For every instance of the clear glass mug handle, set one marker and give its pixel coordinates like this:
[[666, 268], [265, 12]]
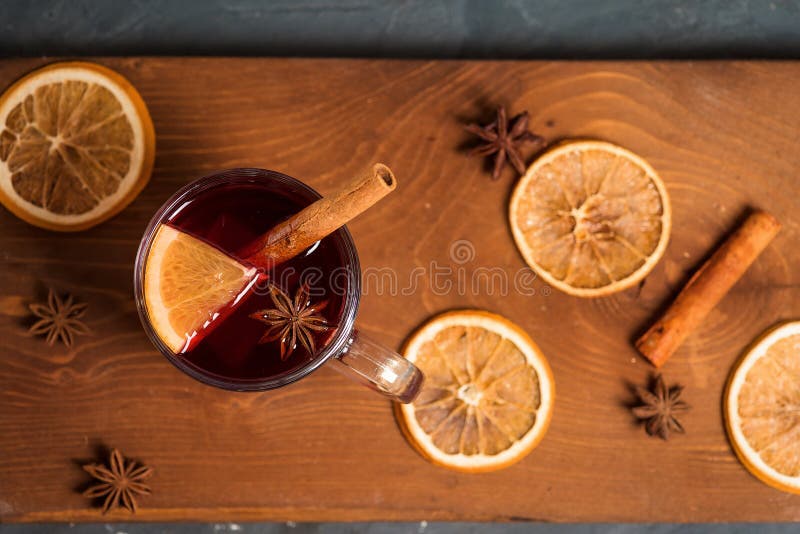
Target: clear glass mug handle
[[369, 363]]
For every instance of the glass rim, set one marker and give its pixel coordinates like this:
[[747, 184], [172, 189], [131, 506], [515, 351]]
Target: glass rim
[[340, 340]]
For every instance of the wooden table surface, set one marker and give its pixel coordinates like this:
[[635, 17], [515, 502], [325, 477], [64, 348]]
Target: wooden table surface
[[723, 136]]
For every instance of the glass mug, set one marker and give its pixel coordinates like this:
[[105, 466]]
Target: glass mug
[[230, 209]]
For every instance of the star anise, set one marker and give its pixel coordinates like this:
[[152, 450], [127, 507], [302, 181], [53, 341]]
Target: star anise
[[120, 483], [660, 407], [503, 138], [292, 321], [59, 319]]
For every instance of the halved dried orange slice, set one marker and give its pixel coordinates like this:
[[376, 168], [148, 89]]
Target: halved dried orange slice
[[186, 284], [762, 408], [76, 146], [591, 218], [488, 394]]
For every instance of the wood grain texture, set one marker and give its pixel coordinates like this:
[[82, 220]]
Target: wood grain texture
[[723, 136]]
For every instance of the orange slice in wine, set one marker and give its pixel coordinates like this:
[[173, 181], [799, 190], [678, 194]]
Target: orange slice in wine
[[186, 284]]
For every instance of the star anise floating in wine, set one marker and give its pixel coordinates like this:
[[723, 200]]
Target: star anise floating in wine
[[120, 483], [59, 319], [292, 321], [660, 408], [503, 138]]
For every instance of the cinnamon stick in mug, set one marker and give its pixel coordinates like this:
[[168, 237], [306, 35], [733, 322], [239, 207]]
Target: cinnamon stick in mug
[[707, 287], [289, 238]]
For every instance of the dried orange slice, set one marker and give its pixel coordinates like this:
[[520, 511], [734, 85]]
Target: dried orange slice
[[76, 146], [590, 218], [762, 408], [186, 283], [488, 394]]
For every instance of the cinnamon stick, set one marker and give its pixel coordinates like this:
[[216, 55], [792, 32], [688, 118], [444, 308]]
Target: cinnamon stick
[[707, 287], [323, 217]]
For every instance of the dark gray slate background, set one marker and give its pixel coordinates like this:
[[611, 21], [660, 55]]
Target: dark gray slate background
[[428, 29], [383, 28]]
